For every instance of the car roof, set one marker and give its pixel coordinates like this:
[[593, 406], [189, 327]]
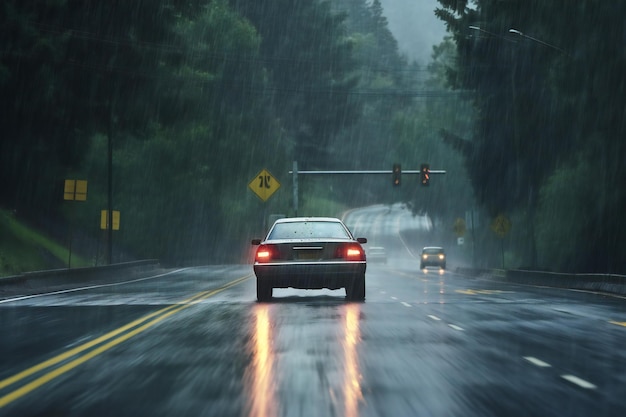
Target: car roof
[[309, 223], [308, 219], [432, 248]]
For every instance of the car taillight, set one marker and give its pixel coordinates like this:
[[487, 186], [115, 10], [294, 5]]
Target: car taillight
[[264, 253], [350, 252]]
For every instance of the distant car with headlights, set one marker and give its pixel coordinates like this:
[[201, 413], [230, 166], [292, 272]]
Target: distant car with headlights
[[433, 256], [376, 254], [310, 253]]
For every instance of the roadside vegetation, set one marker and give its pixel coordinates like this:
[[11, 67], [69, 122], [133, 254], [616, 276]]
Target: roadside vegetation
[[195, 98], [24, 249]]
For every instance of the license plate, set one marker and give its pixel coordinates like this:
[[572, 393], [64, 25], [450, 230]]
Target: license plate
[[308, 255]]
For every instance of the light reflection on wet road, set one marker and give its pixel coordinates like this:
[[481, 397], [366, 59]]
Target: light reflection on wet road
[[305, 368], [424, 343], [260, 383]]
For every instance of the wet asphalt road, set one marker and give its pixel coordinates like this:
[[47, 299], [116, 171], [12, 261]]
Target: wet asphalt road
[[195, 342], [420, 345]]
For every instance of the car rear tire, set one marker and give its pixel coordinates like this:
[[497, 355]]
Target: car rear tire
[[263, 291], [355, 291]]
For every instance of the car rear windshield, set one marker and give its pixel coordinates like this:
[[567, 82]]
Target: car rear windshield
[[308, 230]]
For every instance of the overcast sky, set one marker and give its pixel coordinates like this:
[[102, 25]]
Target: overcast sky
[[415, 26]]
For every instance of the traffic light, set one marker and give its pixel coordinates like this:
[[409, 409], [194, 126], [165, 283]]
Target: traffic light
[[396, 174], [425, 174]]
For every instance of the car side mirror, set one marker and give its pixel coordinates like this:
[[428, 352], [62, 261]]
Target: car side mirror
[[361, 239], [256, 242]]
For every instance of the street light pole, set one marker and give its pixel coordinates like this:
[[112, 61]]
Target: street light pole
[[523, 35], [495, 35], [109, 231]]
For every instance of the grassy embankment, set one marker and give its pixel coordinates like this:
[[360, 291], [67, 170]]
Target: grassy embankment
[[24, 249]]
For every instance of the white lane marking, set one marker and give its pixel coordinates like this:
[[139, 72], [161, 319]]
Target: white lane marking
[[455, 327], [434, 317], [537, 362], [394, 298], [406, 304], [578, 381]]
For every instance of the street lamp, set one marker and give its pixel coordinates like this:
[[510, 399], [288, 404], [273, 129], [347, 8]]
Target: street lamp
[[477, 28], [523, 35], [495, 35]]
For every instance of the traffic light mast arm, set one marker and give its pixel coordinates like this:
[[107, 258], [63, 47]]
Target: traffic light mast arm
[[295, 172], [386, 172]]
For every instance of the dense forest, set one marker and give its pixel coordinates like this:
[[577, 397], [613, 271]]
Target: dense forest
[[170, 108], [548, 143]]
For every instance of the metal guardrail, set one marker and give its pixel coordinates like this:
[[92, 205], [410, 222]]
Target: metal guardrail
[[604, 283], [80, 275]]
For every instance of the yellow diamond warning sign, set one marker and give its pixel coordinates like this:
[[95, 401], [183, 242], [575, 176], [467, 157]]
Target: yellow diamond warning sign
[[264, 185], [501, 226]]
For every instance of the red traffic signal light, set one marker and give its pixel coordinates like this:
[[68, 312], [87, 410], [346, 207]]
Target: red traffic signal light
[[425, 174], [396, 174]]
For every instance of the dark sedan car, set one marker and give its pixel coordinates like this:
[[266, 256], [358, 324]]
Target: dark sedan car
[[310, 253]]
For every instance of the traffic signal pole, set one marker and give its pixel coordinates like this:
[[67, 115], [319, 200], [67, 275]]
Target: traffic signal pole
[[394, 171], [295, 187]]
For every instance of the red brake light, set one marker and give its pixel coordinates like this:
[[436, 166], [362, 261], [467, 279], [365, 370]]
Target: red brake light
[[264, 254], [351, 252]]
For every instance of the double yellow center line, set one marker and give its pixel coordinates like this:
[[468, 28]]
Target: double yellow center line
[[96, 347]]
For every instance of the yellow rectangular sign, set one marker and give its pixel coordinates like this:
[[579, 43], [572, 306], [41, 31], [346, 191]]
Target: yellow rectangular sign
[[68, 190], [104, 219], [81, 190], [75, 190]]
